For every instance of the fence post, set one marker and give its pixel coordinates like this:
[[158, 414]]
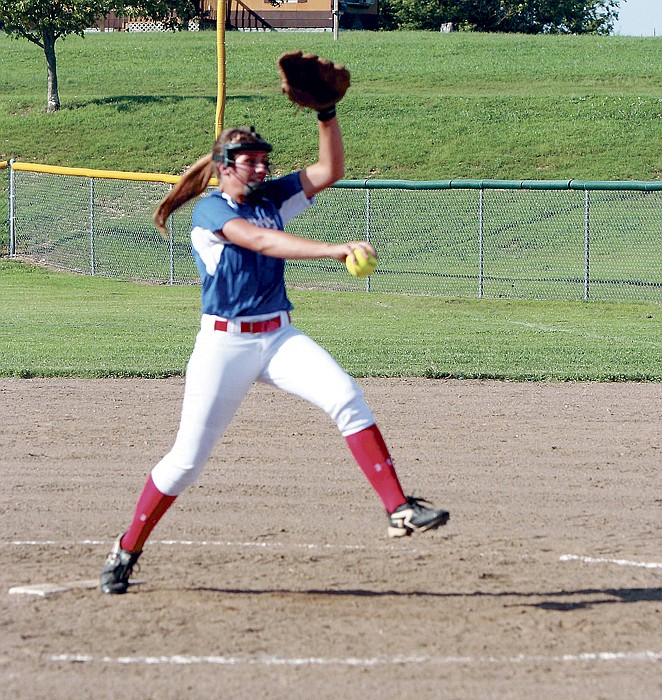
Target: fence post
[[481, 240], [587, 245], [12, 211], [171, 244], [367, 231], [93, 261]]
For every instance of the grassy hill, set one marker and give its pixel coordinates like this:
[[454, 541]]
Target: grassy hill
[[423, 106]]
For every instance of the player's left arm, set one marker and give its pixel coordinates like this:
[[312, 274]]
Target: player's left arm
[[330, 165]]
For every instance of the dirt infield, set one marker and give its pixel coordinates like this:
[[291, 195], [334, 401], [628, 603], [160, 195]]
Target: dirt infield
[[272, 577]]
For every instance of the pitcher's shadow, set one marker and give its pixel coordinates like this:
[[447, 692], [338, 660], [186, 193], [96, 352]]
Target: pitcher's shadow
[[616, 595]]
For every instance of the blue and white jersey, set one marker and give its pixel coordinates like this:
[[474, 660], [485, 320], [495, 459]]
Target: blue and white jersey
[[237, 281]]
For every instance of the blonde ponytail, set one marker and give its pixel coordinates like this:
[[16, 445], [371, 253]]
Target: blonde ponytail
[[193, 182]]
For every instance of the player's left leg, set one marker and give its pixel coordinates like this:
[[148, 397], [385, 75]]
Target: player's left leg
[[298, 365]]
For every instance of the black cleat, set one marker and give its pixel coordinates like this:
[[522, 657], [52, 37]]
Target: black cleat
[[412, 516], [118, 568]]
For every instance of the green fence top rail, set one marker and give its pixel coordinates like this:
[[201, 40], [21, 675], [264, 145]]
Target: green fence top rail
[[637, 185]]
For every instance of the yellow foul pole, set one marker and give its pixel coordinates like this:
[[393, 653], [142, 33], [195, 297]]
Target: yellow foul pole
[[220, 53]]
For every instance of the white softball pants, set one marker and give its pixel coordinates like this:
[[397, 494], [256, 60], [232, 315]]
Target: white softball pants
[[221, 370]]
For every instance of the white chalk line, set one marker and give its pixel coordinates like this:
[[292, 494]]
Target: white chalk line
[[618, 562], [305, 545], [309, 546], [180, 660], [199, 543]]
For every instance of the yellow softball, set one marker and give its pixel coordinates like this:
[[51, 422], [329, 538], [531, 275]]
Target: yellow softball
[[365, 264]]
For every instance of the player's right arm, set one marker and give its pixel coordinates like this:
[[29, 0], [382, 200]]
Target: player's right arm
[[281, 244]]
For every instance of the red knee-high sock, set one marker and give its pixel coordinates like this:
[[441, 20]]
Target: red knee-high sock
[[151, 507], [372, 455]]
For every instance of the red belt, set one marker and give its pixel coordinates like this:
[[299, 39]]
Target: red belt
[[271, 324]]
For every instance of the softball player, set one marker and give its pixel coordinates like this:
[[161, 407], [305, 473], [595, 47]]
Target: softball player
[[240, 248]]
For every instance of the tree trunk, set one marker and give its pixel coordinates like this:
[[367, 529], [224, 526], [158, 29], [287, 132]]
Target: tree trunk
[[53, 99]]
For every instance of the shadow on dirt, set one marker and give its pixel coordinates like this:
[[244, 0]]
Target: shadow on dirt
[[598, 596]]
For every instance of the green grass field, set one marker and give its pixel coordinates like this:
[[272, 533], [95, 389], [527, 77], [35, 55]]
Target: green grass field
[[60, 324], [423, 106]]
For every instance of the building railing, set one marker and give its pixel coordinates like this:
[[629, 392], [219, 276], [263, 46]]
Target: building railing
[[508, 239], [240, 16]]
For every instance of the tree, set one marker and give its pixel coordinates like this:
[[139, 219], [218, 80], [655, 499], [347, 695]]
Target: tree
[[43, 22], [417, 14], [524, 16], [542, 16]]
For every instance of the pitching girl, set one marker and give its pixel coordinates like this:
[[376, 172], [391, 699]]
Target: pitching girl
[[246, 335]]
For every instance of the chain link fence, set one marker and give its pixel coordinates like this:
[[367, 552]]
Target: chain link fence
[[565, 240]]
